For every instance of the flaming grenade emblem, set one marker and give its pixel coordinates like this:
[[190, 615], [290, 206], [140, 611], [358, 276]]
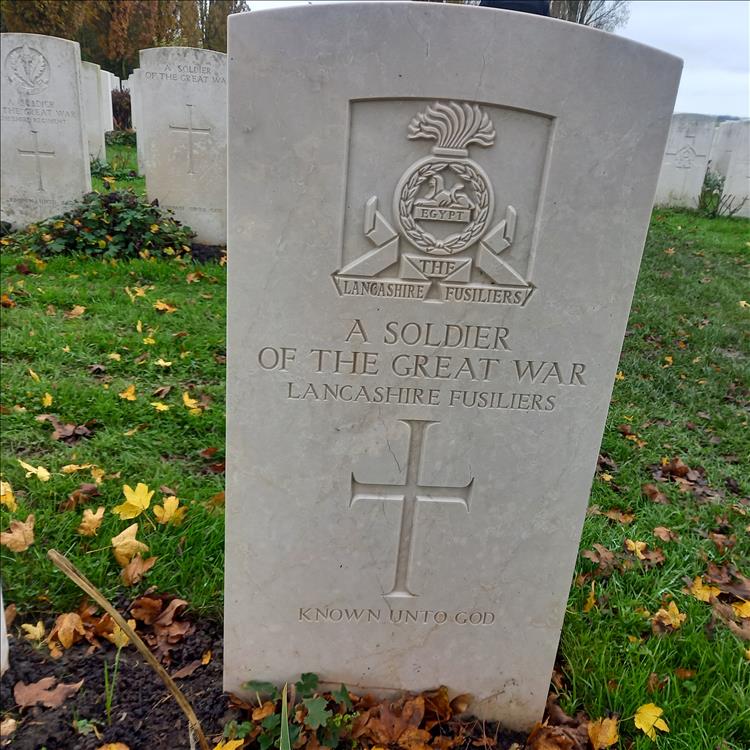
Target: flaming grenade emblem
[[446, 186]]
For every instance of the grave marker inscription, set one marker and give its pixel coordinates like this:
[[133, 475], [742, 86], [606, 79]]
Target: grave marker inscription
[[181, 118], [685, 160], [45, 162], [424, 328]]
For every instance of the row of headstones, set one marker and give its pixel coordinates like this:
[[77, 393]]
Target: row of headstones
[[97, 86], [56, 110], [701, 143]]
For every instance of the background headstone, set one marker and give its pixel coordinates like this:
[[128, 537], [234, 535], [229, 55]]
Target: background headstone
[[737, 182], [45, 162], [725, 139], [93, 109], [685, 160], [182, 99], [431, 267], [135, 116], [105, 91]]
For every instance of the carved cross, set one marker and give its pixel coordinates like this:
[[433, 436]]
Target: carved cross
[[190, 130], [409, 494], [37, 154]]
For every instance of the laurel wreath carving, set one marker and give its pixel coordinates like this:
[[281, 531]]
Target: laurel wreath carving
[[454, 243]]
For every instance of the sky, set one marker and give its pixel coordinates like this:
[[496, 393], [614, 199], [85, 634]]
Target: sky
[[711, 36]]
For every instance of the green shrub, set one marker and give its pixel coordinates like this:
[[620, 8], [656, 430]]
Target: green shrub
[[117, 224], [120, 138], [117, 168]]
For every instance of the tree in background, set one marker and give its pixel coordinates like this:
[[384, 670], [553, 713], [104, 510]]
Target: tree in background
[[203, 23], [63, 18], [111, 33], [607, 15]]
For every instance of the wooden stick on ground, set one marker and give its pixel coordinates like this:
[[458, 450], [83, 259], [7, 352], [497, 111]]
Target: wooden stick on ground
[[62, 562]]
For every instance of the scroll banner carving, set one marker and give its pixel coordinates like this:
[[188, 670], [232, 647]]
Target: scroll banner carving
[[443, 205]]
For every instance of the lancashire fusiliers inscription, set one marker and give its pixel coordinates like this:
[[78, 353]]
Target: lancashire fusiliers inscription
[[426, 202]]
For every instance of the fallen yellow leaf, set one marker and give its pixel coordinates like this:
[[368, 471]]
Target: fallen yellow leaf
[[230, 745], [125, 546], [136, 501], [603, 733], [47, 399], [97, 474], [647, 719], [159, 406], [7, 498], [668, 619], [590, 600], [637, 548], [115, 355], [162, 363], [191, 403], [34, 376], [39, 472], [149, 340], [118, 637], [21, 535], [163, 306], [170, 512], [742, 609], [702, 592], [620, 375], [72, 468], [129, 393], [91, 521], [34, 632]]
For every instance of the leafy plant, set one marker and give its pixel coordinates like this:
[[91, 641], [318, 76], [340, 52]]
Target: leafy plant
[[117, 224], [117, 168], [125, 137], [713, 201], [327, 716]]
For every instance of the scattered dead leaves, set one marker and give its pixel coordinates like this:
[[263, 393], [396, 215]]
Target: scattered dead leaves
[[45, 692], [68, 433], [134, 571], [20, 536]]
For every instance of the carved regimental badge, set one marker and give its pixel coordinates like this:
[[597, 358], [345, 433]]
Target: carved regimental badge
[[27, 69], [447, 242]]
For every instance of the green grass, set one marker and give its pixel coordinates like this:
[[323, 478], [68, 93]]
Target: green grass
[[122, 157], [687, 307]]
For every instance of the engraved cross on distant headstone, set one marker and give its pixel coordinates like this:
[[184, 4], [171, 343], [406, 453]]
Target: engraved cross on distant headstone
[[409, 494], [190, 129], [37, 154]]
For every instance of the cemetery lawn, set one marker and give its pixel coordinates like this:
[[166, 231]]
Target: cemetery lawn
[[121, 159], [681, 393]]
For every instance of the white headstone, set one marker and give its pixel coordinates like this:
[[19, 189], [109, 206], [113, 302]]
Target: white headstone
[[182, 95], [93, 109], [737, 182], [45, 162], [426, 203], [105, 91], [685, 160]]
